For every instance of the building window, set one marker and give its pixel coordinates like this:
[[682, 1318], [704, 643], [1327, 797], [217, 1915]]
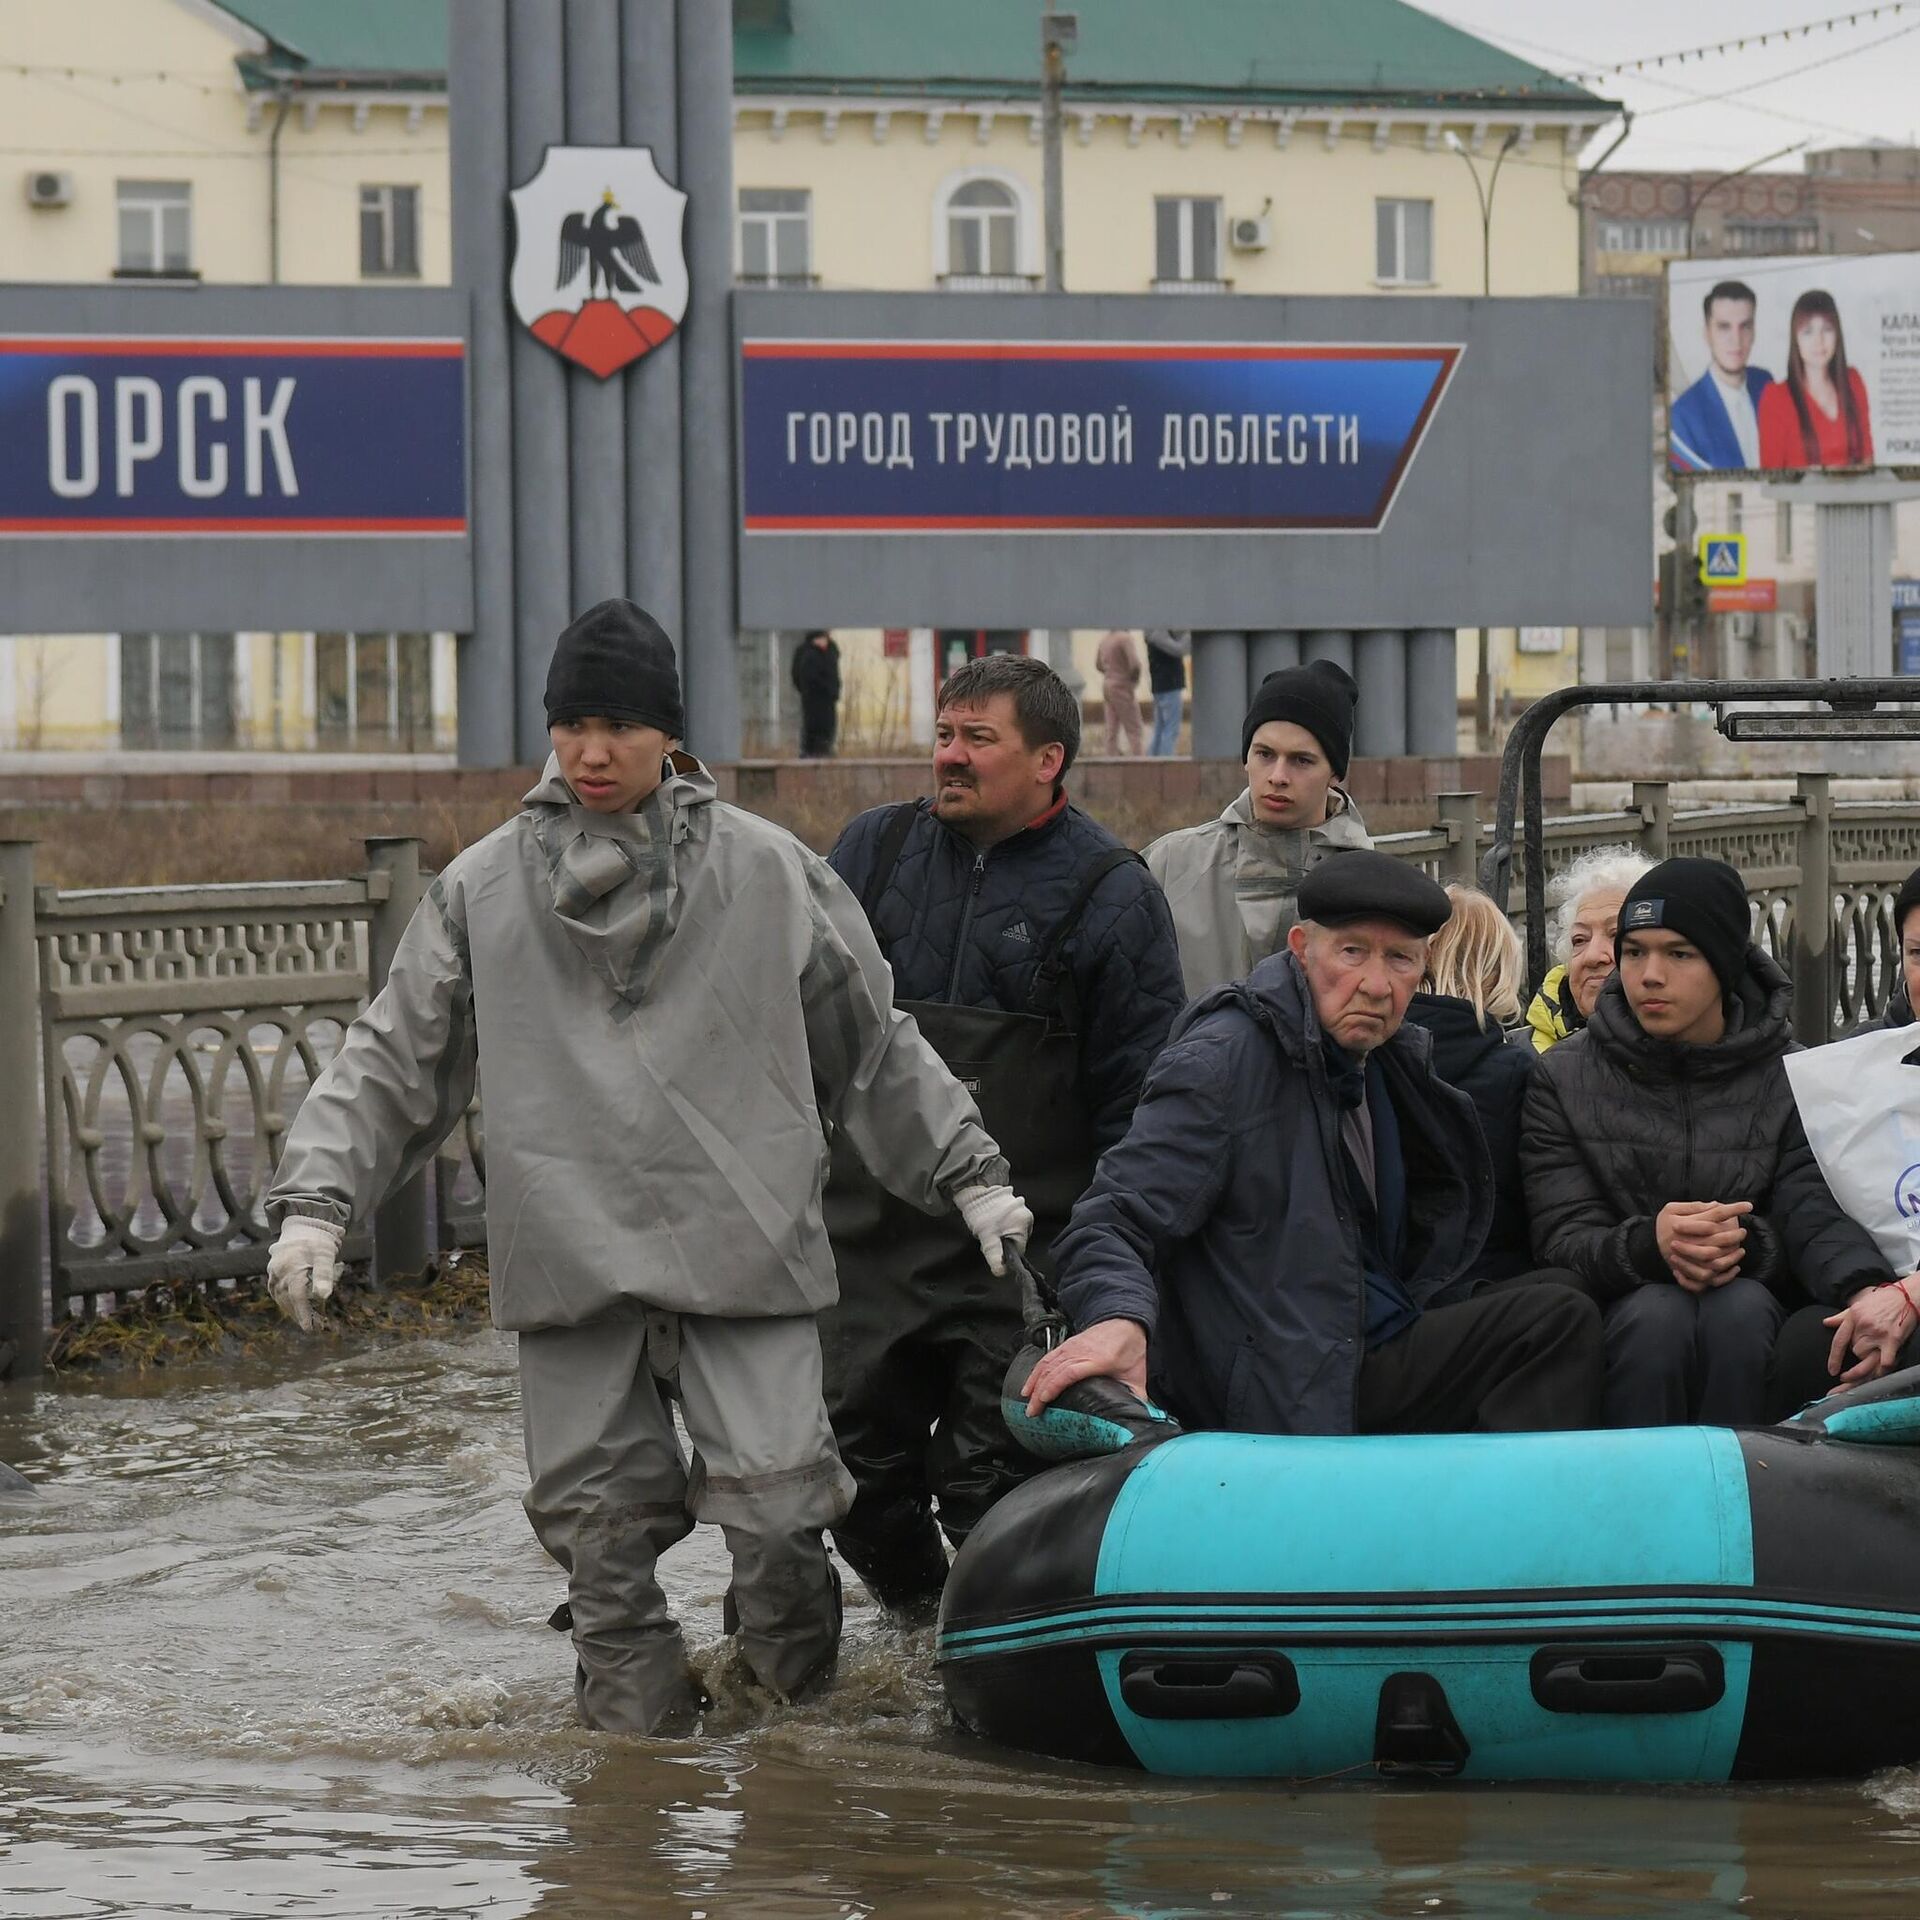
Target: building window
[[1643, 236], [1736, 512], [373, 690], [776, 236], [156, 227], [1403, 242], [1750, 237], [1783, 531], [983, 230], [1186, 241], [176, 690], [389, 233]]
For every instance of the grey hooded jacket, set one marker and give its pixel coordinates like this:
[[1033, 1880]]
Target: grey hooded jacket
[[1233, 885], [666, 1005]]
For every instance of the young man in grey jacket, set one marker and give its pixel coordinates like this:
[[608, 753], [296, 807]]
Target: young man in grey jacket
[[665, 997]]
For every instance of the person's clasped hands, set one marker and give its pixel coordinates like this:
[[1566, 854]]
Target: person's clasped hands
[[1703, 1242], [1873, 1327]]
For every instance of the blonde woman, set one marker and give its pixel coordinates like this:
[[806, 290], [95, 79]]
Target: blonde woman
[[1470, 997]]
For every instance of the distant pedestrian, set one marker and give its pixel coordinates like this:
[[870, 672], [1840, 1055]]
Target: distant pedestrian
[[816, 674], [1167, 651], [1119, 662]]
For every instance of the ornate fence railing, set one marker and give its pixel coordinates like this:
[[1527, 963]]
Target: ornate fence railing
[[172, 1031]]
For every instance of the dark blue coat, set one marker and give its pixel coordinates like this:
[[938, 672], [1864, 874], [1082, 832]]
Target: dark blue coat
[[966, 928], [1222, 1223]]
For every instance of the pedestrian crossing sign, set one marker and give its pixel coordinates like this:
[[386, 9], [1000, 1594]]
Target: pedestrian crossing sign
[[1723, 559]]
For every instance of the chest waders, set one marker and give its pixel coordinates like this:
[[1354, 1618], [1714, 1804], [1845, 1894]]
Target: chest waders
[[917, 1347]]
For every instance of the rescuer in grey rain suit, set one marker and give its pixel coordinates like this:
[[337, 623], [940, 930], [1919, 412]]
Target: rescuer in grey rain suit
[[666, 997]]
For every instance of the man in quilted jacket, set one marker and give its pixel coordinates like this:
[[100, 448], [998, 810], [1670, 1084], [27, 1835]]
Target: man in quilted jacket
[[1666, 1164], [1038, 957]]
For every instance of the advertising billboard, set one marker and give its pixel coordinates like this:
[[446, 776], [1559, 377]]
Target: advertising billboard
[[1784, 364]]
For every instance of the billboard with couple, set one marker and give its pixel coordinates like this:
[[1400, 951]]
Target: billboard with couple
[[1789, 363]]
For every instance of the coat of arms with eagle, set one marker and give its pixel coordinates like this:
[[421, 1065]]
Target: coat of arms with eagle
[[599, 271]]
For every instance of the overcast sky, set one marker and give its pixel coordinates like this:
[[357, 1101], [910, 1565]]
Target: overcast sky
[[1787, 93]]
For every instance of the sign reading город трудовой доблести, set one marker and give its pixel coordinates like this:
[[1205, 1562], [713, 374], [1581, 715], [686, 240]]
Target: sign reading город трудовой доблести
[[1045, 436], [1269, 462]]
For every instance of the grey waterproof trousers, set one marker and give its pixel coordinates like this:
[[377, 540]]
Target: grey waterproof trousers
[[610, 1493]]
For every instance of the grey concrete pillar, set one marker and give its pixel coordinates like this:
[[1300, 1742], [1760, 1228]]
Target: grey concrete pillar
[[596, 409], [1380, 719], [1329, 643], [1269, 651], [402, 1232], [1219, 694], [710, 644], [1433, 726], [542, 545], [23, 1319], [477, 92], [1853, 593], [650, 117]]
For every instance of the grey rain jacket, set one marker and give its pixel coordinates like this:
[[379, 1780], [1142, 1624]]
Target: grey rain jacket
[[1233, 886], [666, 1004], [1223, 1223], [1617, 1123]]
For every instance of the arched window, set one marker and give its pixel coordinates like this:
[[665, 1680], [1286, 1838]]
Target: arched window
[[983, 229]]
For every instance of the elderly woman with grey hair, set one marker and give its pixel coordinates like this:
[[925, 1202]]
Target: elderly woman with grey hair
[[1586, 900]]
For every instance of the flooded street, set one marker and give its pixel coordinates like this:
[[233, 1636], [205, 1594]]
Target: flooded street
[[274, 1642]]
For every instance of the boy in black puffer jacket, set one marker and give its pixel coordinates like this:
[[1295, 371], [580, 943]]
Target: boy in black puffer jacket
[[1665, 1161]]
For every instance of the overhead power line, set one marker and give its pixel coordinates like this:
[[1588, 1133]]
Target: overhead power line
[[1742, 43]]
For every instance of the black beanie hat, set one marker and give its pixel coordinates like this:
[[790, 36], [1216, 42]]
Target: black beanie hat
[[616, 663], [1705, 901], [1904, 903], [1319, 696]]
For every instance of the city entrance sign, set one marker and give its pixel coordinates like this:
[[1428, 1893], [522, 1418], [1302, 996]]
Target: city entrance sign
[[884, 436]]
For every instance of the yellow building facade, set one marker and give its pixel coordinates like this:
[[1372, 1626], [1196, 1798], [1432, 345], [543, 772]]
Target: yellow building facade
[[139, 152]]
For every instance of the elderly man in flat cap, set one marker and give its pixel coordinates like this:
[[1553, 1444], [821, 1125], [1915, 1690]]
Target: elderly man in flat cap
[[666, 999], [1287, 1240]]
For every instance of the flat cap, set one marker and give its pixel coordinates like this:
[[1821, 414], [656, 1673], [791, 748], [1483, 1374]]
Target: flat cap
[[1361, 884]]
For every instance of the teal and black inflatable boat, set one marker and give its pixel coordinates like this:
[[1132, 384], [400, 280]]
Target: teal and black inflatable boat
[[1687, 1603]]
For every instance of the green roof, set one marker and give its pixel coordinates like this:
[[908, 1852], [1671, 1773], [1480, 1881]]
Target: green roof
[[371, 43], [1256, 52]]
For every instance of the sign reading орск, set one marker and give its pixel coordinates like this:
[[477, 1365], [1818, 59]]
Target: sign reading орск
[[173, 435], [216, 459]]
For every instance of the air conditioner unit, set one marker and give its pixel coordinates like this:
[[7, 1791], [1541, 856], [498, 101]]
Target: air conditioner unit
[[1250, 233], [48, 189]]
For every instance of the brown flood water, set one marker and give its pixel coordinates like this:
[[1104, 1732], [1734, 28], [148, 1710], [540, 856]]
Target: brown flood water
[[273, 1642]]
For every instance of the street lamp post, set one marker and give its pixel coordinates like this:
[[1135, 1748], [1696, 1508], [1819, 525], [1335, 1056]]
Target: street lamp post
[[1714, 185], [1058, 34], [1482, 640], [1485, 194]]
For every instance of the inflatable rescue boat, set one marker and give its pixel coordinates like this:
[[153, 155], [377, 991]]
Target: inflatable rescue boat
[[1686, 1603]]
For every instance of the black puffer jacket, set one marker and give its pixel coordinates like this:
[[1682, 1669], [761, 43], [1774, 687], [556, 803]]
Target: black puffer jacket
[[1619, 1123], [966, 928], [1493, 1073]]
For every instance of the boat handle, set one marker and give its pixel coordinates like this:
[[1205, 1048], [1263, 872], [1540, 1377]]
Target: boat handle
[[1206, 1686], [1628, 1679]]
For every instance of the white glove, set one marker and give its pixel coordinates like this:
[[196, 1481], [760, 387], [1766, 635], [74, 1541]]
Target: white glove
[[994, 1214], [302, 1267]]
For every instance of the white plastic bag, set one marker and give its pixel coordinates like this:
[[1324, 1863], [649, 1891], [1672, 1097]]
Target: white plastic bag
[[1859, 1101]]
